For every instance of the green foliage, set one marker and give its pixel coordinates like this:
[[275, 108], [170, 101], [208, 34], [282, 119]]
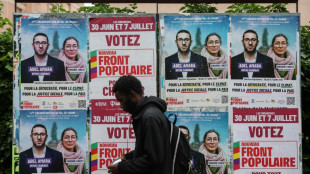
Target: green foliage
[[235, 8], [6, 122], [245, 8], [256, 8], [277, 8], [98, 8], [59, 9], [106, 8], [305, 91], [198, 8]]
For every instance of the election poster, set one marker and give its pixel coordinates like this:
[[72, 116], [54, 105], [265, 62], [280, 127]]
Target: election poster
[[119, 45], [265, 57], [194, 55], [63, 132], [53, 64], [265, 92], [16, 66], [112, 134], [266, 141], [208, 136], [16, 86], [122, 46]]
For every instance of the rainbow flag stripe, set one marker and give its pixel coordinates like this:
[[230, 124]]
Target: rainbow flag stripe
[[94, 157], [236, 155], [93, 64]]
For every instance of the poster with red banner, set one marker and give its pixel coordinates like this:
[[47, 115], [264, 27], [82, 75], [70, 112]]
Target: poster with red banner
[[266, 140], [265, 94], [119, 45]]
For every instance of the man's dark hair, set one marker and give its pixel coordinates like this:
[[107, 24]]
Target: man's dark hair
[[213, 34], [279, 35], [210, 131], [183, 31], [184, 127], [250, 31], [127, 83], [38, 125], [40, 34], [68, 129]]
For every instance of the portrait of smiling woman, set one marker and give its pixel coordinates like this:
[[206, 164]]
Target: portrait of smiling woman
[[71, 150], [213, 152], [281, 56], [216, 57], [75, 69]]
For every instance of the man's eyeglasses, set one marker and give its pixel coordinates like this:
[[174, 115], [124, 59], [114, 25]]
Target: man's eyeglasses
[[248, 40], [183, 40], [37, 135], [41, 43]]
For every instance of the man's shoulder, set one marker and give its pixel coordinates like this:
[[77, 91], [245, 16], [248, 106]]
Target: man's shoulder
[[152, 112], [197, 56], [171, 57], [53, 59], [262, 56], [28, 60], [26, 152], [50, 150], [238, 56], [56, 63]]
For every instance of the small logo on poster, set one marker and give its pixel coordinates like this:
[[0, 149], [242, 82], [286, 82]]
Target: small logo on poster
[[114, 103], [174, 101], [238, 101]]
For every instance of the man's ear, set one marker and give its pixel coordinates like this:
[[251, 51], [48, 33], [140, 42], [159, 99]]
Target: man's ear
[[134, 96], [132, 93]]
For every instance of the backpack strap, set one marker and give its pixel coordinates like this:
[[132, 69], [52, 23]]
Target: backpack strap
[[174, 140]]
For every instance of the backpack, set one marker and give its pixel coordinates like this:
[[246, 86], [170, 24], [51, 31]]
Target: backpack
[[180, 150]]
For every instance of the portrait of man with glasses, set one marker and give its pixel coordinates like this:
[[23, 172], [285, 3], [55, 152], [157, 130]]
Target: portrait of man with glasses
[[41, 66], [185, 63], [251, 63], [40, 158]]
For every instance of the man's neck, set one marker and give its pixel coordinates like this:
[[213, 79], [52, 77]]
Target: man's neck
[[250, 56], [40, 59], [38, 150], [183, 56]]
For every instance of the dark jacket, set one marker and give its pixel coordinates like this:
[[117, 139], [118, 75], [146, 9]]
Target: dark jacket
[[198, 163], [152, 151], [56, 165], [200, 71], [266, 71], [58, 73]]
